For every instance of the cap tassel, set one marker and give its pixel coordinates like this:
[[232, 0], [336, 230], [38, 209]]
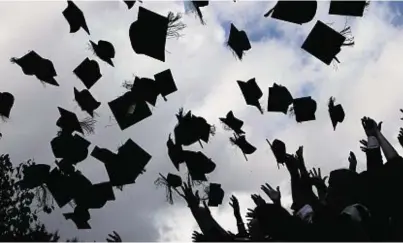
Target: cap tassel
[[174, 25], [198, 12], [212, 130], [346, 32], [225, 126], [162, 182], [88, 125], [270, 11]]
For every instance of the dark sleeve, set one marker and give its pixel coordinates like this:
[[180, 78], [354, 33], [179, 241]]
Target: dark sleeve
[[374, 159]]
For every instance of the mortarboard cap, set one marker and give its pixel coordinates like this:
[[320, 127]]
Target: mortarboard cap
[[233, 123], [323, 42], [215, 195], [6, 103], [104, 50], [96, 196], [297, 12], [86, 101], [33, 64], [104, 155], [145, 89], [88, 72], [279, 150], [135, 156], [148, 34], [245, 146], [34, 175], [174, 180], [59, 186], [175, 153], [75, 18], [198, 165], [336, 112], [347, 8], [128, 112], [195, 7], [68, 121], [251, 92], [238, 41], [130, 4], [202, 128], [80, 217], [279, 99], [304, 109], [165, 83]]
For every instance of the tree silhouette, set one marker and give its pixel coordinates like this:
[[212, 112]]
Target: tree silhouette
[[18, 220]]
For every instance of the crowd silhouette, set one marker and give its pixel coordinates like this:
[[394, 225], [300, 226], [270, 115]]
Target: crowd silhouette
[[349, 206]]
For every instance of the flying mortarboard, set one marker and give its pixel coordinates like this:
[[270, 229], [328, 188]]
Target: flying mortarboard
[[33, 64], [195, 7], [68, 121], [145, 89], [148, 34], [238, 41], [104, 155], [34, 175], [104, 50], [233, 123], [75, 18], [80, 217], [215, 195], [174, 180], [279, 99], [297, 12], [278, 149], [324, 43], [175, 153], [128, 112], [130, 4], [304, 109], [251, 92], [336, 112], [86, 101], [198, 165], [245, 146], [6, 103], [59, 186], [165, 83], [348, 8], [88, 72], [96, 196], [170, 182]]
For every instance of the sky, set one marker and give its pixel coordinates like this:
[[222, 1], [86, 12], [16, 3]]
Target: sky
[[367, 82]]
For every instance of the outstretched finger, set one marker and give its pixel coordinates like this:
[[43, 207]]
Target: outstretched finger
[[319, 173], [268, 186], [315, 172]]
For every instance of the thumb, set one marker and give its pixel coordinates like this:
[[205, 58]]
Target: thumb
[[278, 188], [380, 125]]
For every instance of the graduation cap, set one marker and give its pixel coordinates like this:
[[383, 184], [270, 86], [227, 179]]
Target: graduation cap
[[233, 123], [251, 92], [6, 103], [175, 152], [170, 182], [145, 89], [60, 187], [245, 146], [238, 41], [191, 129], [215, 195], [130, 4], [34, 175], [75, 18], [165, 83], [128, 112], [104, 50], [33, 64], [104, 155], [304, 109], [80, 217], [96, 196], [198, 165], [88, 72], [324, 43], [336, 112], [149, 33], [68, 121], [86, 101], [195, 7], [297, 12], [279, 99], [348, 8], [279, 150]]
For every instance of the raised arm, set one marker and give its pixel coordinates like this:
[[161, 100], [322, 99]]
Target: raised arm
[[371, 147], [239, 222]]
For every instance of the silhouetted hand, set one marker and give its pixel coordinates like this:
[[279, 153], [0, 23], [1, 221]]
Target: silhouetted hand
[[258, 200], [115, 237], [192, 199], [197, 237], [274, 195], [400, 137], [250, 214], [316, 177], [353, 162], [370, 126], [364, 145], [234, 204]]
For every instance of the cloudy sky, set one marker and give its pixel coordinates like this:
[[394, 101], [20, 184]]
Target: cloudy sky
[[367, 82]]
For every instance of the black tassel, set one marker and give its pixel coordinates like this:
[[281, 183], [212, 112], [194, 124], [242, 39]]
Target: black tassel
[[88, 125], [175, 25]]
